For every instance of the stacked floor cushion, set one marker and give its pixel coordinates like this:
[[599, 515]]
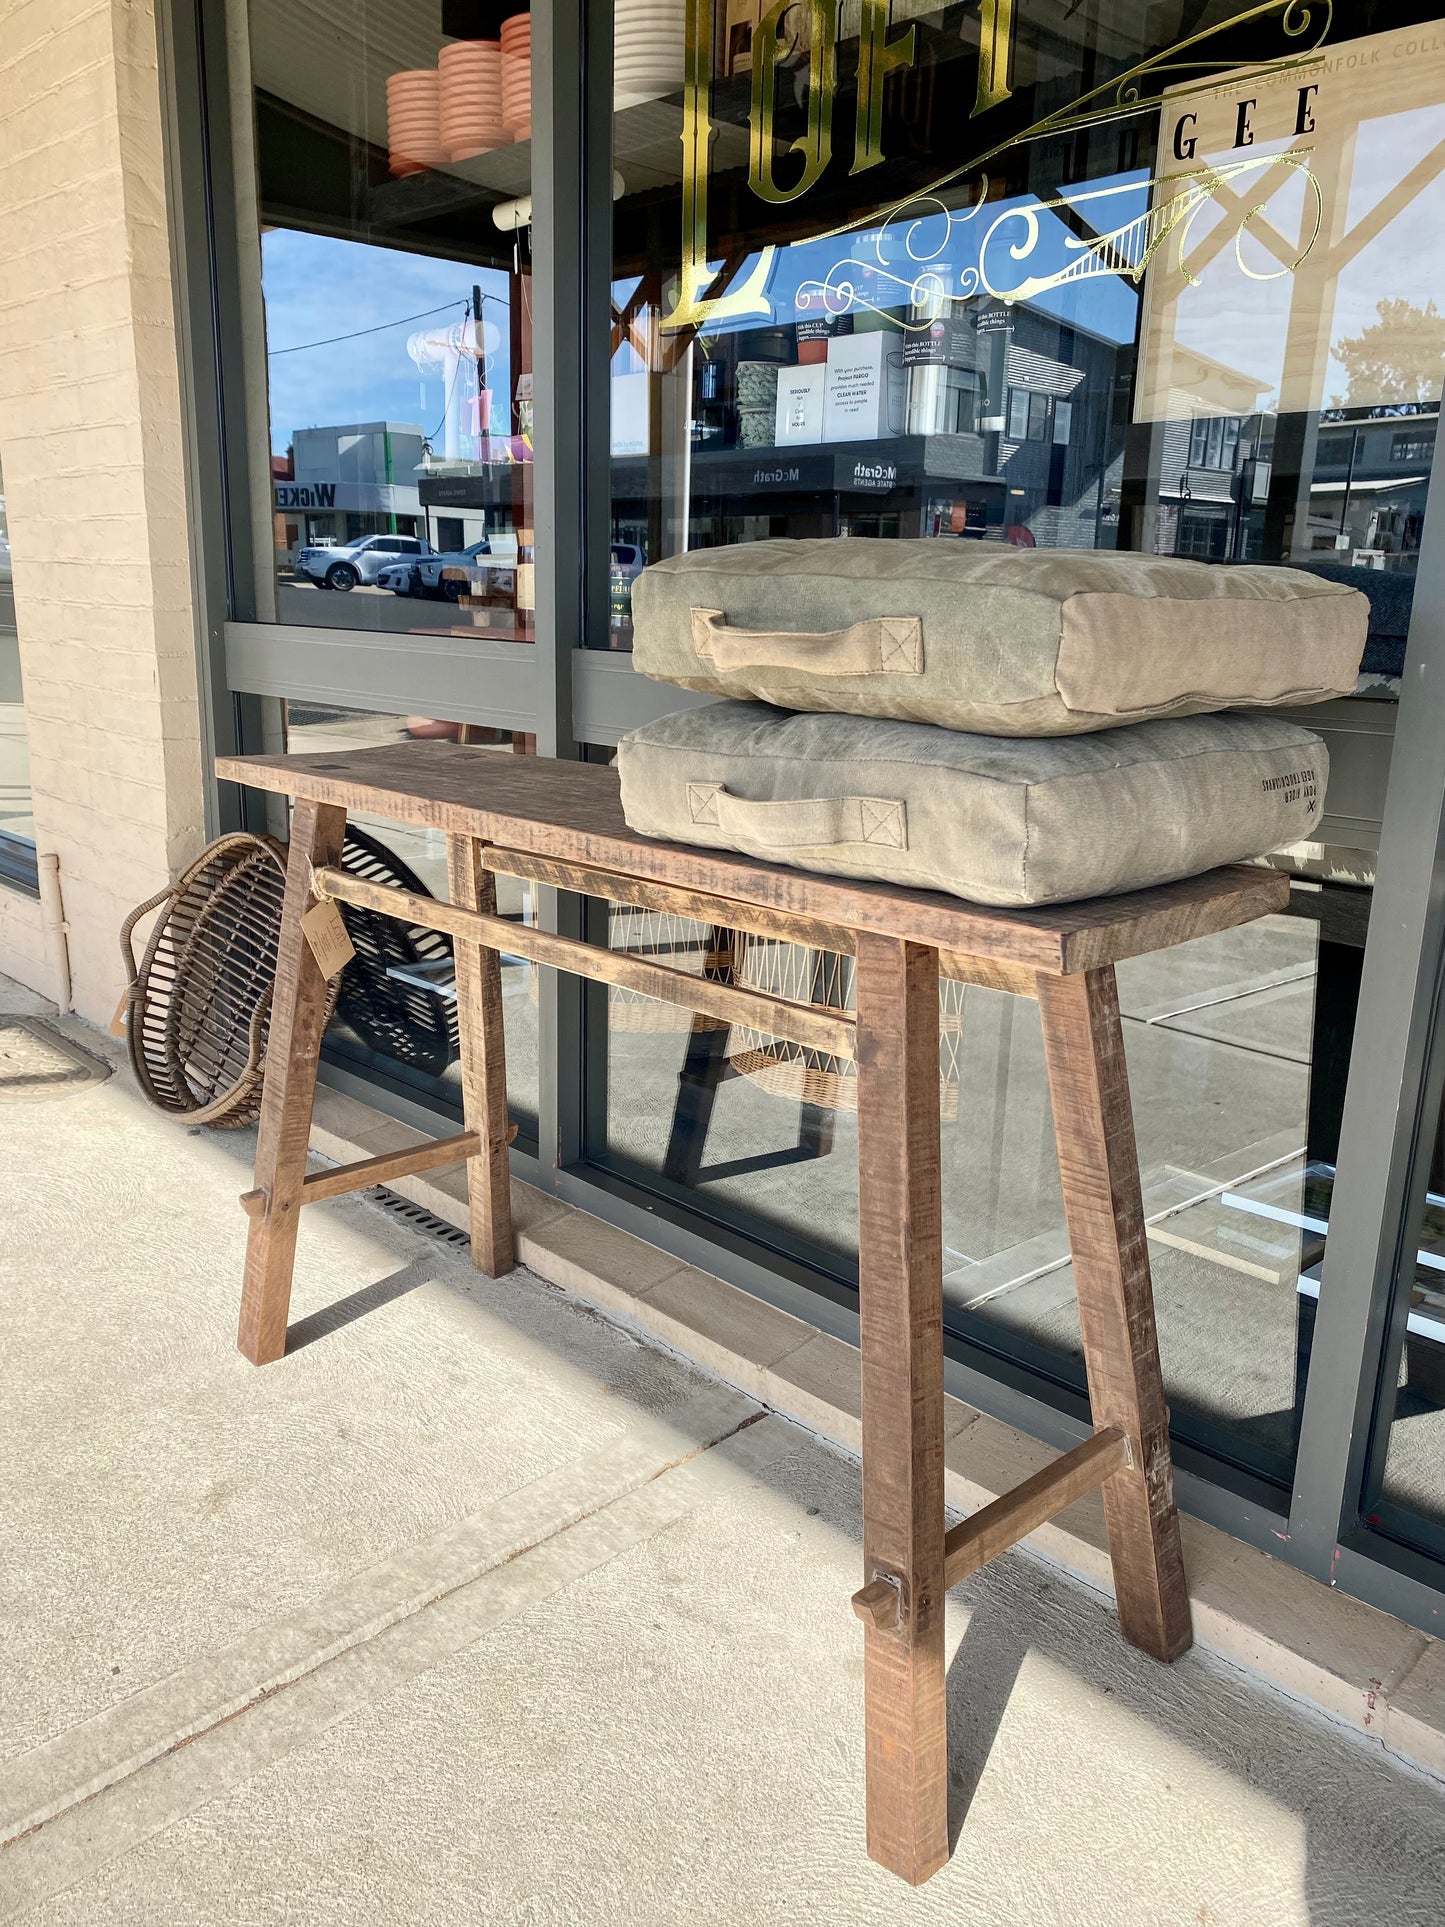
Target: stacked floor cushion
[[1006, 641], [996, 820], [1013, 726]]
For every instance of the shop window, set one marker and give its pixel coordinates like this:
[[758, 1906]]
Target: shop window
[[1212, 444], [1026, 321], [391, 331], [1203, 536], [17, 823]]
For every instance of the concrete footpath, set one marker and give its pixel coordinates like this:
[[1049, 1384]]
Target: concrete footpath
[[477, 1609]]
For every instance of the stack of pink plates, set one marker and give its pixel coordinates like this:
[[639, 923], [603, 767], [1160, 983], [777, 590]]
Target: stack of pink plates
[[413, 120], [471, 98], [517, 76]]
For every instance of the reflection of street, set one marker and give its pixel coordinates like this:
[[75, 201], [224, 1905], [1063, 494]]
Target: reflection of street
[[381, 610]]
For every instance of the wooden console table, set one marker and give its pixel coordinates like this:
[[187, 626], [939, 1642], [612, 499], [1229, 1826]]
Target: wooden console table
[[561, 824]]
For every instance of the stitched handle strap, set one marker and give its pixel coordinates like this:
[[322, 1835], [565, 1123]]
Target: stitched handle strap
[[881, 646], [815, 823]]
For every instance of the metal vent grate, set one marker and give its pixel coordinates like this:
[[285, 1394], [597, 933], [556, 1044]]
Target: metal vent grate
[[417, 1217]]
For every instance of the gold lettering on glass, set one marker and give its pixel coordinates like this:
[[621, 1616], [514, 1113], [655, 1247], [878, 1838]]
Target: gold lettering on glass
[[694, 306], [1305, 22], [772, 43], [995, 53], [877, 58]]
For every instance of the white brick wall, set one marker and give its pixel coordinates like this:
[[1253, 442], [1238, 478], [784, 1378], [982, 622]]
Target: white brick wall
[[90, 436]]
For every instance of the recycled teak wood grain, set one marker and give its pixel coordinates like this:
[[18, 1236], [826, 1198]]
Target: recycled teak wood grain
[[561, 824]]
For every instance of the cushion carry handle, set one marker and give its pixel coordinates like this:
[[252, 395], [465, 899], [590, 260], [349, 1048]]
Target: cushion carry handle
[[880, 646], [814, 823]]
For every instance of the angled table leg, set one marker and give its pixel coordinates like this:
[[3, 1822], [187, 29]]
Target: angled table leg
[[900, 1251], [1099, 1166], [293, 1050], [484, 1065]]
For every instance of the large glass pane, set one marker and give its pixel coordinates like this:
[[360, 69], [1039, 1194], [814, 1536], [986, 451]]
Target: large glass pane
[[392, 343], [396, 1018], [1162, 279], [17, 823]]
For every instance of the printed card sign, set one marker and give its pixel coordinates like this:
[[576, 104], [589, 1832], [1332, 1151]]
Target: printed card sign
[[325, 930], [800, 403]]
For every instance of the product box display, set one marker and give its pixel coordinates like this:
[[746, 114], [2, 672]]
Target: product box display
[[864, 395], [995, 821], [979, 636]]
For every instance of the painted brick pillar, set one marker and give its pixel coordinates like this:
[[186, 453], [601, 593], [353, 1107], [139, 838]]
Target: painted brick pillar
[[91, 445]]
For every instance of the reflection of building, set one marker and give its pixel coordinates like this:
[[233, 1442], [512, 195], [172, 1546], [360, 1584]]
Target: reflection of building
[[1010, 437], [346, 482], [1367, 494]]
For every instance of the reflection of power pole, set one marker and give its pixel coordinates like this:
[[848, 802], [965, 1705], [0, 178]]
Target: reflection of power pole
[[479, 343], [1349, 482]]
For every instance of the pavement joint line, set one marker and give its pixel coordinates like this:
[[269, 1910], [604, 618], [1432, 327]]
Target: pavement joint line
[[124, 1815], [173, 1712]]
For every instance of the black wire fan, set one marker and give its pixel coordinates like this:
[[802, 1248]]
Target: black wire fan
[[403, 1021]]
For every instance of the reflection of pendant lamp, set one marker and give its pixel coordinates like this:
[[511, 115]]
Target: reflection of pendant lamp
[[517, 76], [471, 98], [413, 120], [447, 349], [648, 50]]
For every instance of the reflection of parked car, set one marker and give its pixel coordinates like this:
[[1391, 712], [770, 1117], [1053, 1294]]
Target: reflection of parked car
[[629, 558], [348, 563], [446, 575]]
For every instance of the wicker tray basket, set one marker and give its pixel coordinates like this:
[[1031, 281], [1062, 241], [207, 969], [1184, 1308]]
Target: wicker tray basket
[[199, 1001]]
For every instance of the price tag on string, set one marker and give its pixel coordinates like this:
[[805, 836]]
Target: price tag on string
[[325, 930]]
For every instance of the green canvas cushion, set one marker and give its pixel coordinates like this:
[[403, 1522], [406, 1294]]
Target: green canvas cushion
[[995, 820], [979, 636]]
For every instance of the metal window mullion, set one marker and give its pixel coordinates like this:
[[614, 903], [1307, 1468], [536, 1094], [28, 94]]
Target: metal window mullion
[[1388, 1125], [571, 340], [191, 49]]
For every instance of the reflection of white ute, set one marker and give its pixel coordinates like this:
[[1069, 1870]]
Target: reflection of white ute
[[446, 575], [346, 564]]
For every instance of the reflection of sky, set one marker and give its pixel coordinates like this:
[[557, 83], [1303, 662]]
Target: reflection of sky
[[1244, 321], [1230, 316], [1406, 260], [957, 254], [316, 287]]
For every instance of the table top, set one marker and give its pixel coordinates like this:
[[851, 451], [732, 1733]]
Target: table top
[[573, 811]]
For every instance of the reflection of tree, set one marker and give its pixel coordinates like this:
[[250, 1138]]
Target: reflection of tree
[[1400, 357]]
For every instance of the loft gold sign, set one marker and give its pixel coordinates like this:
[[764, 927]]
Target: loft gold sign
[[709, 292]]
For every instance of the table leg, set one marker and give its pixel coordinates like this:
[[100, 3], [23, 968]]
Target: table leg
[[900, 1250], [484, 1065], [1099, 1166], [293, 1050]]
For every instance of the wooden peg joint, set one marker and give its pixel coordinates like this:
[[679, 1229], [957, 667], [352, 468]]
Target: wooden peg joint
[[879, 1604]]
